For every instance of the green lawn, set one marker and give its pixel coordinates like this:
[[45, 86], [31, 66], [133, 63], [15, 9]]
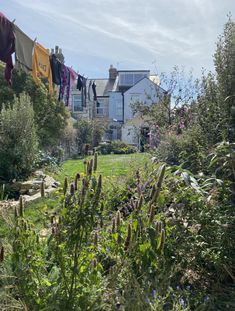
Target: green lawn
[[112, 167], [108, 165]]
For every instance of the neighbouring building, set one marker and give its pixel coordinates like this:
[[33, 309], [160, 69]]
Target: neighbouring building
[[113, 102]]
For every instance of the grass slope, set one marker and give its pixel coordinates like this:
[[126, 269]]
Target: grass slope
[[114, 165]]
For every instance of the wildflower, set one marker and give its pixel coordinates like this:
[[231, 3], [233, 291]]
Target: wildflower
[[77, 178], [2, 254], [128, 238], [21, 207], [72, 189], [118, 219], [152, 214], [42, 189], [65, 185], [113, 225], [100, 182], [95, 239], [95, 161]]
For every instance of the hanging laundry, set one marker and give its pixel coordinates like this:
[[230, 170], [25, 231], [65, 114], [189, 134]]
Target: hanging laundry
[[94, 90], [73, 80], [65, 85], [79, 82], [56, 69], [41, 65], [7, 45], [24, 50], [89, 90], [84, 95]]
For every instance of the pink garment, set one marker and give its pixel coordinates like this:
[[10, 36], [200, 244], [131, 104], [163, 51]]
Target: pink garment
[[73, 83]]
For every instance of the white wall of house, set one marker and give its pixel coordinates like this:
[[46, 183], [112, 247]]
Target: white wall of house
[[130, 134], [115, 106], [145, 91]]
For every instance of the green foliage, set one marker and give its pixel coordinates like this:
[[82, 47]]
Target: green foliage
[[3, 195], [89, 132], [214, 109], [116, 147], [187, 149], [50, 115], [18, 140]]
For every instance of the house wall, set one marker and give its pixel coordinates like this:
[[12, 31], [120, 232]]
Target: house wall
[[144, 92], [116, 106], [130, 134]]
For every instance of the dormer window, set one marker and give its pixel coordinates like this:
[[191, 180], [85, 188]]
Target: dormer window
[[131, 78]]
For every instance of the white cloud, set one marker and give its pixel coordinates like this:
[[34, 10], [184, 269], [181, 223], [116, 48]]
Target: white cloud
[[178, 32]]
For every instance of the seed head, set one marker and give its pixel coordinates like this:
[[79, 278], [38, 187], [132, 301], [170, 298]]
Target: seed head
[[65, 185], [42, 189], [151, 214], [77, 178], [118, 219], [72, 189], [113, 225], [2, 254], [128, 238], [95, 239], [21, 207]]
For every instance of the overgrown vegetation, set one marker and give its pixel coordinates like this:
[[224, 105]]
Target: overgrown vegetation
[[116, 147], [163, 239], [18, 140]]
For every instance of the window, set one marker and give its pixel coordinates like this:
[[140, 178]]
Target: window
[[77, 103], [100, 110], [119, 109], [129, 79]]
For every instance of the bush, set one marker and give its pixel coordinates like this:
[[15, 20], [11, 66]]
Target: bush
[[116, 147], [187, 150], [18, 140]]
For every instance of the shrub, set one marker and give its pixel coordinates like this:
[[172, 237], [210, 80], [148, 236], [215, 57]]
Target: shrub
[[116, 147], [18, 140], [169, 149], [187, 150]]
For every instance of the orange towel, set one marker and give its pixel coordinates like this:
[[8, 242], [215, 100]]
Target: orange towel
[[41, 65]]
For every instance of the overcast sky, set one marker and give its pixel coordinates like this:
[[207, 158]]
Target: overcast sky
[[130, 34]]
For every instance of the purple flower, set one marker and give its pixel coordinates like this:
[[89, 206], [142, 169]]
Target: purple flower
[[154, 293]]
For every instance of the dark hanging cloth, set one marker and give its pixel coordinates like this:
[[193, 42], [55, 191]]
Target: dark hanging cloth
[[79, 82], [23, 50], [56, 68], [65, 85], [89, 89], [7, 45], [84, 91], [94, 90]]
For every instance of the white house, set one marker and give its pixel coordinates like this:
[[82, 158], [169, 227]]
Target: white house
[[114, 99]]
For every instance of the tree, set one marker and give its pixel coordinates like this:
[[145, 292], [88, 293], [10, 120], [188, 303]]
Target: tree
[[172, 111], [224, 60], [215, 108], [89, 132], [18, 139], [50, 115]]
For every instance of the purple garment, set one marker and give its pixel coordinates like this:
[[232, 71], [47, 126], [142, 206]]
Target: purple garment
[[65, 85], [7, 45]]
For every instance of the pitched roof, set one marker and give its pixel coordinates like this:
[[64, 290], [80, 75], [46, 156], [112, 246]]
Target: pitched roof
[[103, 86]]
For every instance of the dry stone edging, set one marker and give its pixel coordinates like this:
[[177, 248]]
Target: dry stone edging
[[30, 190]]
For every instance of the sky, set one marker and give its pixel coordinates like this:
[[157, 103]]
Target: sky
[[129, 34]]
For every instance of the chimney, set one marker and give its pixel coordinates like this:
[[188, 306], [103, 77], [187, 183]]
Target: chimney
[[112, 73]]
